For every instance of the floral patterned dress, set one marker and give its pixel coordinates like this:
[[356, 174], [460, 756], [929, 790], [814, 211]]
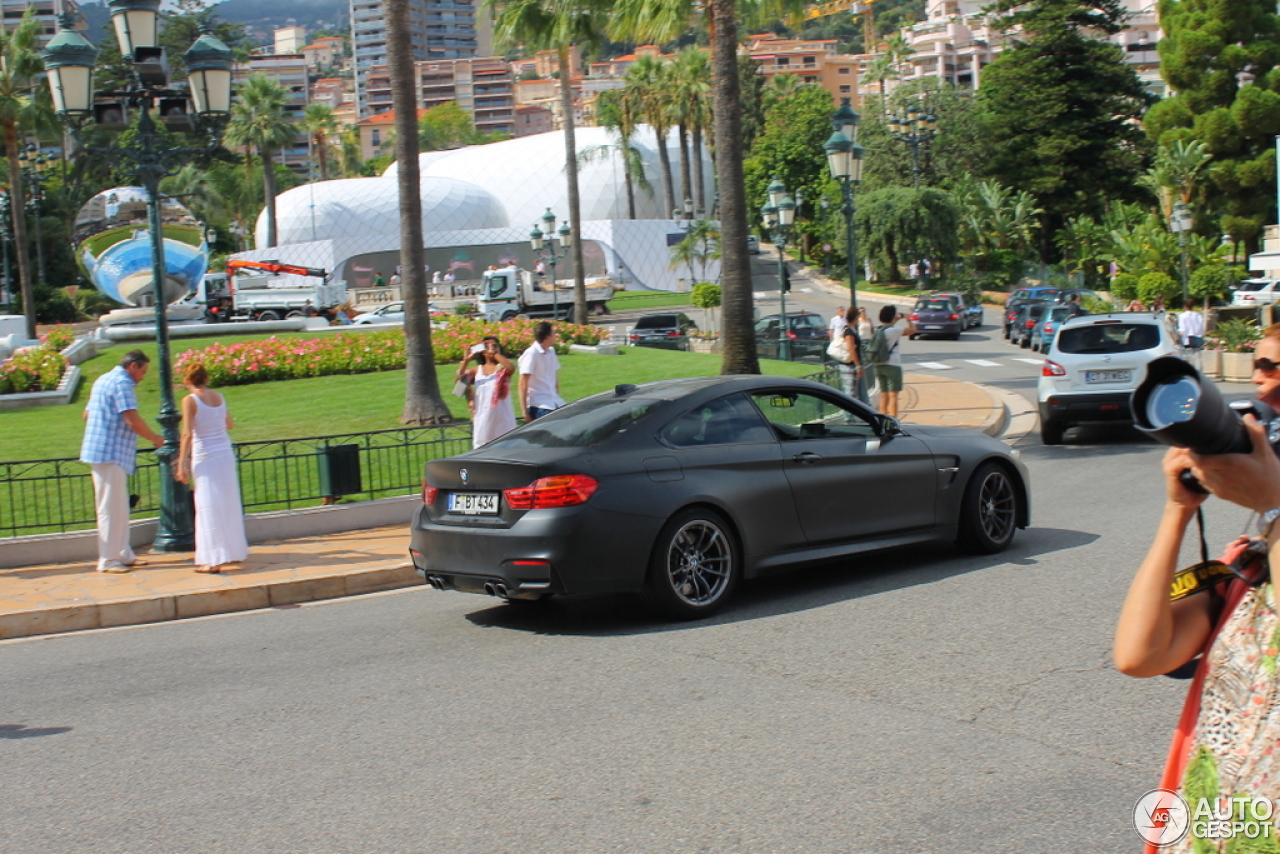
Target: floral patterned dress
[[1235, 747]]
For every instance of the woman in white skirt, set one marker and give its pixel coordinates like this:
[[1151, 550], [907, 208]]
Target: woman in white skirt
[[489, 396], [207, 460]]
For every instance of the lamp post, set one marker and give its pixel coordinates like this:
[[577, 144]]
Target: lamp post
[[5, 238], [1180, 224], [69, 59], [779, 213], [33, 165], [844, 159], [915, 130], [543, 242]]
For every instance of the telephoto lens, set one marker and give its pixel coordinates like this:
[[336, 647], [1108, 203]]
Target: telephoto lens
[[1176, 405]]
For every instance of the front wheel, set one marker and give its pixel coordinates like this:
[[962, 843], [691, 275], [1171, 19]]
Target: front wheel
[[989, 514], [509, 315], [268, 315], [695, 565]]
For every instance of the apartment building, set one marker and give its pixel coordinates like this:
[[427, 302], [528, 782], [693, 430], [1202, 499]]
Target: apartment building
[[289, 39], [813, 62], [483, 87], [323, 53], [290, 71], [437, 31], [958, 39], [46, 12], [532, 119]]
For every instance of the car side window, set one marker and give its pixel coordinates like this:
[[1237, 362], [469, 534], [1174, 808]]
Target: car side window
[[803, 415], [727, 421]]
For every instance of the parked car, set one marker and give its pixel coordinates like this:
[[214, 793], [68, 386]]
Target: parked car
[[938, 315], [393, 312], [1092, 367], [1252, 292], [667, 331], [1024, 323], [1021, 295], [1047, 329], [682, 489], [753, 245], [970, 305], [806, 332]]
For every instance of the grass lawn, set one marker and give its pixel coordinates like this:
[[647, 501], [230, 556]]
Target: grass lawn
[[640, 300], [349, 403]]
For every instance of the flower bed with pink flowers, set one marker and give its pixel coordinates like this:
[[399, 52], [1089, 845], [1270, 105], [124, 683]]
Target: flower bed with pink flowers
[[363, 352]]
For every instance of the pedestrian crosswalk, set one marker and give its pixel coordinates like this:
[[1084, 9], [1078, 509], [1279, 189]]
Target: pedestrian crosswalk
[[981, 363]]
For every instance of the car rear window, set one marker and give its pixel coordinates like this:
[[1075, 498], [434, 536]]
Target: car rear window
[[935, 305], [656, 321], [806, 321], [582, 423], [1109, 338], [1252, 286], [1060, 312]]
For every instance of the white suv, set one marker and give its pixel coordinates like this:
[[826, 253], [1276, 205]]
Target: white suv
[[1254, 292], [1093, 366]]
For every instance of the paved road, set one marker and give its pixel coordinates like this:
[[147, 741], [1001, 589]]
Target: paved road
[[916, 701]]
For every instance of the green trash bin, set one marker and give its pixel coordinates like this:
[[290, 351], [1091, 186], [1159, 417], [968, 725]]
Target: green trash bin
[[339, 470]]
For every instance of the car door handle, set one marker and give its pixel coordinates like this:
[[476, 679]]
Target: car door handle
[[807, 457]]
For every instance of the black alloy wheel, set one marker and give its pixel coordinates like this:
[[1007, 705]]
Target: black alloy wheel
[[695, 565], [989, 514]]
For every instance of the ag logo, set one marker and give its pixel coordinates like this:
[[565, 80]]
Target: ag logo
[[1161, 817]]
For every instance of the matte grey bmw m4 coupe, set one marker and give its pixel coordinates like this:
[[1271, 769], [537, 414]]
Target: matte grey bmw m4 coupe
[[680, 489]]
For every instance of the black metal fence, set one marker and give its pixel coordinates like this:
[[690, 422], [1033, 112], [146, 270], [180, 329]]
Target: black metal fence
[[54, 496]]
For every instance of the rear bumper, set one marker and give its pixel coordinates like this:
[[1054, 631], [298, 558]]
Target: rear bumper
[[1082, 408]]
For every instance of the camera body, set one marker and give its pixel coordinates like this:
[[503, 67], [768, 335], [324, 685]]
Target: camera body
[[1177, 406]]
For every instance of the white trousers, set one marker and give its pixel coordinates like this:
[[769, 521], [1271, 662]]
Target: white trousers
[[111, 491]]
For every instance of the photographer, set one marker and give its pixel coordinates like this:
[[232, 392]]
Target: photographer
[[1230, 722]]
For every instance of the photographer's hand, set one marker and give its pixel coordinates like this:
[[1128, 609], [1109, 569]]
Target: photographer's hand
[[1250, 480], [1176, 461]]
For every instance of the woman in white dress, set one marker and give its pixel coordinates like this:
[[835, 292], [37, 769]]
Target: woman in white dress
[[207, 460], [489, 396]]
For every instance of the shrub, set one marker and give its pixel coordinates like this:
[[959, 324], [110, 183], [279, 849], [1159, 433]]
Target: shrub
[[37, 369], [59, 338], [364, 352], [1153, 285], [705, 295], [1235, 336], [1124, 286]]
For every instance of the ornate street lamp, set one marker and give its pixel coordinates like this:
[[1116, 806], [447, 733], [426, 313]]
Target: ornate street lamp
[[544, 245], [917, 129], [33, 164], [779, 213], [1180, 223], [69, 59], [844, 159]]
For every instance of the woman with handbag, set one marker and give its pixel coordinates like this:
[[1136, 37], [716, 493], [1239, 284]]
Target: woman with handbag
[[846, 350], [1224, 744]]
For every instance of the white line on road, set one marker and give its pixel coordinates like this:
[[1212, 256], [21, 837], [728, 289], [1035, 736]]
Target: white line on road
[[983, 363], [937, 366], [1029, 361]]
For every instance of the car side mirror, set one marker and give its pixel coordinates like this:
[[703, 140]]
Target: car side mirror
[[889, 426]]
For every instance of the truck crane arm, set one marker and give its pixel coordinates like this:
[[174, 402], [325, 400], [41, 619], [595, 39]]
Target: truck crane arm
[[275, 267]]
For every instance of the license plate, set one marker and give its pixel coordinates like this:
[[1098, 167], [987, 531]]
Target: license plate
[[1107, 376], [474, 503], [931, 326]]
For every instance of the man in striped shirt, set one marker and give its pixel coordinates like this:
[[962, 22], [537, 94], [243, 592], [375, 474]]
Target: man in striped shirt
[[112, 428]]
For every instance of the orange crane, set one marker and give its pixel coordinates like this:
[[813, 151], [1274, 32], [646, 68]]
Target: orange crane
[[859, 7], [275, 267]]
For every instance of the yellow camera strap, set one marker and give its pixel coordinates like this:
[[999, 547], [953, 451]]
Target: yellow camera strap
[[1199, 578]]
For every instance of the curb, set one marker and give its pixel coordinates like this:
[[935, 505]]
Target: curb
[[128, 612]]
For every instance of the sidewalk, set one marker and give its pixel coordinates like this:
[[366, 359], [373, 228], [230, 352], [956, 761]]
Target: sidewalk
[[53, 598]]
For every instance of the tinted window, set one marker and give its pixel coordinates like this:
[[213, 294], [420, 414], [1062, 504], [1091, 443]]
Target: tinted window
[[1035, 310], [1109, 338], [582, 423], [806, 321], [1060, 312], [800, 415], [656, 321], [730, 420], [935, 305]]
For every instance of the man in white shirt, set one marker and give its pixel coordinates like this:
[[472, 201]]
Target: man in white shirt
[[1191, 327], [836, 327], [540, 374]]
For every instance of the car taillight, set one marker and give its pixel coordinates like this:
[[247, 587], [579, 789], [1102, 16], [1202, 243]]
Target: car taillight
[[955, 317], [1031, 324], [675, 333], [563, 490], [1048, 327], [428, 494], [635, 337], [914, 317], [792, 336], [1052, 369]]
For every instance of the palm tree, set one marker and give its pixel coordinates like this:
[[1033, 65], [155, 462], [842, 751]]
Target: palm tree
[[616, 113], [350, 157], [422, 401], [779, 88], [197, 190], [320, 125], [258, 122], [879, 71], [693, 92], [19, 64], [558, 25], [649, 83]]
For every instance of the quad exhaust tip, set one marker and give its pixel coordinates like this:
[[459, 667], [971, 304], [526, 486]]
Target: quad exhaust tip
[[497, 589]]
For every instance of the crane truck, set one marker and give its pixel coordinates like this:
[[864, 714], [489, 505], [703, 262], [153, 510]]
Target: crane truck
[[251, 290]]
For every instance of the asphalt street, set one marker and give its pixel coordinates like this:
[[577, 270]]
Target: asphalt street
[[915, 701]]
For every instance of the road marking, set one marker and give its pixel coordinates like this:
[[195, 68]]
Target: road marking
[[937, 366], [1029, 361], [983, 363]]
